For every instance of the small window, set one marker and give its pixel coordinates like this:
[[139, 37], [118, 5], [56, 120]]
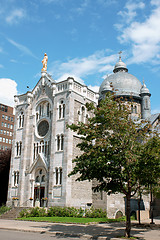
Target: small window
[[56, 176], [60, 172], [43, 178], [37, 179], [3, 116]]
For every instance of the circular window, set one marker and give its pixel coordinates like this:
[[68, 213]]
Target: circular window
[[43, 128]]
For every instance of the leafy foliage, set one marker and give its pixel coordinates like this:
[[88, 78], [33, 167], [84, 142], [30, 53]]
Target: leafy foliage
[[112, 150], [4, 209], [63, 212]]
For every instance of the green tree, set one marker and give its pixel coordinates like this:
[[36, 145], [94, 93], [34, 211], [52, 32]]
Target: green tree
[[111, 144], [149, 176], [5, 156]]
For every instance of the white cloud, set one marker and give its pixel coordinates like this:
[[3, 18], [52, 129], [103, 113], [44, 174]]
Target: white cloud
[[9, 87], [98, 62], [144, 37], [94, 88], [15, 16], [154, 111], [82, 7], [131, 10], [22, 48]]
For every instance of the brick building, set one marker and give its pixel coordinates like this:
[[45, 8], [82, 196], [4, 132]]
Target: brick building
[[6, 126]]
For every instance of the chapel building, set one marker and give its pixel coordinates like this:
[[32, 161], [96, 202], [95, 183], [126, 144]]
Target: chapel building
[[43, 147]]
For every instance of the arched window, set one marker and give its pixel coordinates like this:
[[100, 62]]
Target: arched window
[[60, 177], [37, 179], [61, 110], [60, 142], [146, 104], [20, 148], [43, 178], [47, 109], [17, 148], [16, 178], [56, 170], [21, 120], [135, 109], [131, 108]]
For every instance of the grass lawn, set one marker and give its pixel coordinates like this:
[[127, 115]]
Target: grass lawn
[[71, 219]]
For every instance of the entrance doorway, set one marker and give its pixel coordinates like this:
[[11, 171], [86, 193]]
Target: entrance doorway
[[39, 193]]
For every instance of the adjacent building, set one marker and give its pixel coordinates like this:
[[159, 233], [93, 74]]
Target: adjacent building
[[6, 126]]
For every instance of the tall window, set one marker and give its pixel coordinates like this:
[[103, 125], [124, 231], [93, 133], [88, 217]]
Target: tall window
[[58, 176], [60, 142], [146, 104], [61, 110], [21, 120], [43, 109], [82, 114], [18, 148], [41, 147], [16, 178]]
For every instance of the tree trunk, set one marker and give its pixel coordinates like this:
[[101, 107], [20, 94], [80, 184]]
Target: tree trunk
[[139, 209], [128, 219]]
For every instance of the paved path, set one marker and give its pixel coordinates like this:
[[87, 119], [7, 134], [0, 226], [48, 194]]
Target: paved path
[[108, 231]]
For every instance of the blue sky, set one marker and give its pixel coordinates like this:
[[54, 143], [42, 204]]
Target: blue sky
[[82, 38]]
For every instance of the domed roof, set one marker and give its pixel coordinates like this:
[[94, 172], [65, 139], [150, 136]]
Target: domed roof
[[144, 89], [120, 66], [122, 82]]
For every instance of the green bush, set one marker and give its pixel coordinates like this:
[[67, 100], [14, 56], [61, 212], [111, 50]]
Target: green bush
[[95, 213], [4, 209], [63, 212]]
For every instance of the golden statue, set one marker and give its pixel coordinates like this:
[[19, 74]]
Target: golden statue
[[44, 62]]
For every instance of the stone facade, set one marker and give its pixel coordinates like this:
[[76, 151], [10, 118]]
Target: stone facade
[[45, 158]]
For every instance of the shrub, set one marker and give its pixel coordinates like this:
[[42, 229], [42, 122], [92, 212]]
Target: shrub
[[63, 212], [24, 213], [95, 213], [4, 209]]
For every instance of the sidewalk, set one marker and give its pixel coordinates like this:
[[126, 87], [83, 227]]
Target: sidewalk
[[96, 231]]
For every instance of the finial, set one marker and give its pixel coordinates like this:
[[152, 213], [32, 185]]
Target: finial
[[120, 55], [44, 62]]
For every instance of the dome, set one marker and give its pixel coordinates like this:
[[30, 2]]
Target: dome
[[122, 82], [145, 90], [120, 66]]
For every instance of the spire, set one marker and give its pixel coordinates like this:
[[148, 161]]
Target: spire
[[120, 66]]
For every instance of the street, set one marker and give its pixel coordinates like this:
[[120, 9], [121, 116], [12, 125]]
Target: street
[[19, 235]]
